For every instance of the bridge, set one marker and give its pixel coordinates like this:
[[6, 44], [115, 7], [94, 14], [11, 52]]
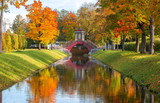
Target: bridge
[[79, 40], [88, 44]]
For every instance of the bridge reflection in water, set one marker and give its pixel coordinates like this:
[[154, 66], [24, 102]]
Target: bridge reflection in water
[[78, 80]]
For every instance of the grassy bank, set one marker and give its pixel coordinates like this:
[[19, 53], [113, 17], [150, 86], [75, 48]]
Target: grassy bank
[[143, 68], [18, 65]]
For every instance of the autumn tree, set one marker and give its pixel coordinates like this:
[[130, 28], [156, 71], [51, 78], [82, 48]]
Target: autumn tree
[[3, 6], [106, 18], [138, 9], [69, 23], [61, 15], [132, 15], [153, 16], [43, 25], [86, 16], [146, 13]]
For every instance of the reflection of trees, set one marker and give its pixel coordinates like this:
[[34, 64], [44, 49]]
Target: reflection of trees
[[79, 60], [43, 86], [68, 82], [0, 97], [98, 82], [93, 82], [106, 84]]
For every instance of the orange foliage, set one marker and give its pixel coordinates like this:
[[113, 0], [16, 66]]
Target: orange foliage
[[126, 25], [43, 25], [44, 87], [17, 3]]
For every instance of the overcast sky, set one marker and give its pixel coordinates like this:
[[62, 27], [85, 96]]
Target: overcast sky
[[70, 5]]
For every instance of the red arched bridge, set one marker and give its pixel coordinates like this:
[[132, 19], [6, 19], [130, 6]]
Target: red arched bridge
[[88, 44]]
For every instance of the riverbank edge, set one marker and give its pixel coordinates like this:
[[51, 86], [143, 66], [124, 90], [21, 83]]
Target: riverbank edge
[[41, 58], [142, 68]]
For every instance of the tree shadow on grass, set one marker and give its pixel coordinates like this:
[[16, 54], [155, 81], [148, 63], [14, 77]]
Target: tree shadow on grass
[[13, 67], [39, 56]]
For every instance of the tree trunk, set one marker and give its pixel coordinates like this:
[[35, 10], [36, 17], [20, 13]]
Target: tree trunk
[[152, 28], [51, 46], [113, 45], [107, 45], [1, 20], [143, 43], [151, 98], [39, 47], [122, 42], [116, 44], [143, 95], [137, 43]]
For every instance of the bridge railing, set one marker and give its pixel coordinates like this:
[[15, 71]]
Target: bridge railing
[[90, 43], [67, 44], [87, 43]]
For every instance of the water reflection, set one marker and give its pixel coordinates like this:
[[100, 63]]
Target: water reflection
[[0, 97], [79, 80], [103, 85], [43, 86]]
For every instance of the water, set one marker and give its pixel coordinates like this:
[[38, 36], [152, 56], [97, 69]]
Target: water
[[77, 80]]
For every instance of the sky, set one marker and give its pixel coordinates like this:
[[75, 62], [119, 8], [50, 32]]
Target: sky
[[70, 5]]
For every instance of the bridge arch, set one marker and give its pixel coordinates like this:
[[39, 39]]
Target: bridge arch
[[79, 42]]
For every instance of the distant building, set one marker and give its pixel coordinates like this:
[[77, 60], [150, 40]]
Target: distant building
[[79, 34]]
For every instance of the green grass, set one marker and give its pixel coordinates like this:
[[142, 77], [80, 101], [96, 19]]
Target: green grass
[[18, 65], [142, 68]]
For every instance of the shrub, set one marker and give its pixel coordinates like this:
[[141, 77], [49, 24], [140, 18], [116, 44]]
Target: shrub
[[13, 42], [131, 46], [7, 42], [22, 41]]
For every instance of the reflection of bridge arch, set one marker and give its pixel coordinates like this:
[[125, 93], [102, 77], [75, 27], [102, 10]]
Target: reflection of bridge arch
[[69, 62], [82, 66]]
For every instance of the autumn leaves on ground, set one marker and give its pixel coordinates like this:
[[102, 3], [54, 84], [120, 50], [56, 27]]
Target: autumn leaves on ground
[[18, 65]]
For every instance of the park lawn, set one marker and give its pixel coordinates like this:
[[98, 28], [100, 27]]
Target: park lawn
[[142, 68], [18, 65]]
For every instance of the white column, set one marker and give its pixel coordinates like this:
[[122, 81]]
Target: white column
[[83, 37]]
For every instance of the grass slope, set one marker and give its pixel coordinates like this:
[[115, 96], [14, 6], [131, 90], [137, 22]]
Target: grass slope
[[142, 68], [18, 65]]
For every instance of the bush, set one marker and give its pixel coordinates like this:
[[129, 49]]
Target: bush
[[13, 42], [7, 42], [132, 45], [22, 41]]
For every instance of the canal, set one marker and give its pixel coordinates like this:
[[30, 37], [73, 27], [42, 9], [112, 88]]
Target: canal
[[77, 79]]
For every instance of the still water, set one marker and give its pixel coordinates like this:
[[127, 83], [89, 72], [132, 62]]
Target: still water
[[77, 80]]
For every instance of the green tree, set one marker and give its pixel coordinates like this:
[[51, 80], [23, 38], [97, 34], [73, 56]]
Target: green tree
[[19, 25]]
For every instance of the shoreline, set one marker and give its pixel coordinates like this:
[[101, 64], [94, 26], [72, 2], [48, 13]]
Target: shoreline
[[18, 65], [142, 68]]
